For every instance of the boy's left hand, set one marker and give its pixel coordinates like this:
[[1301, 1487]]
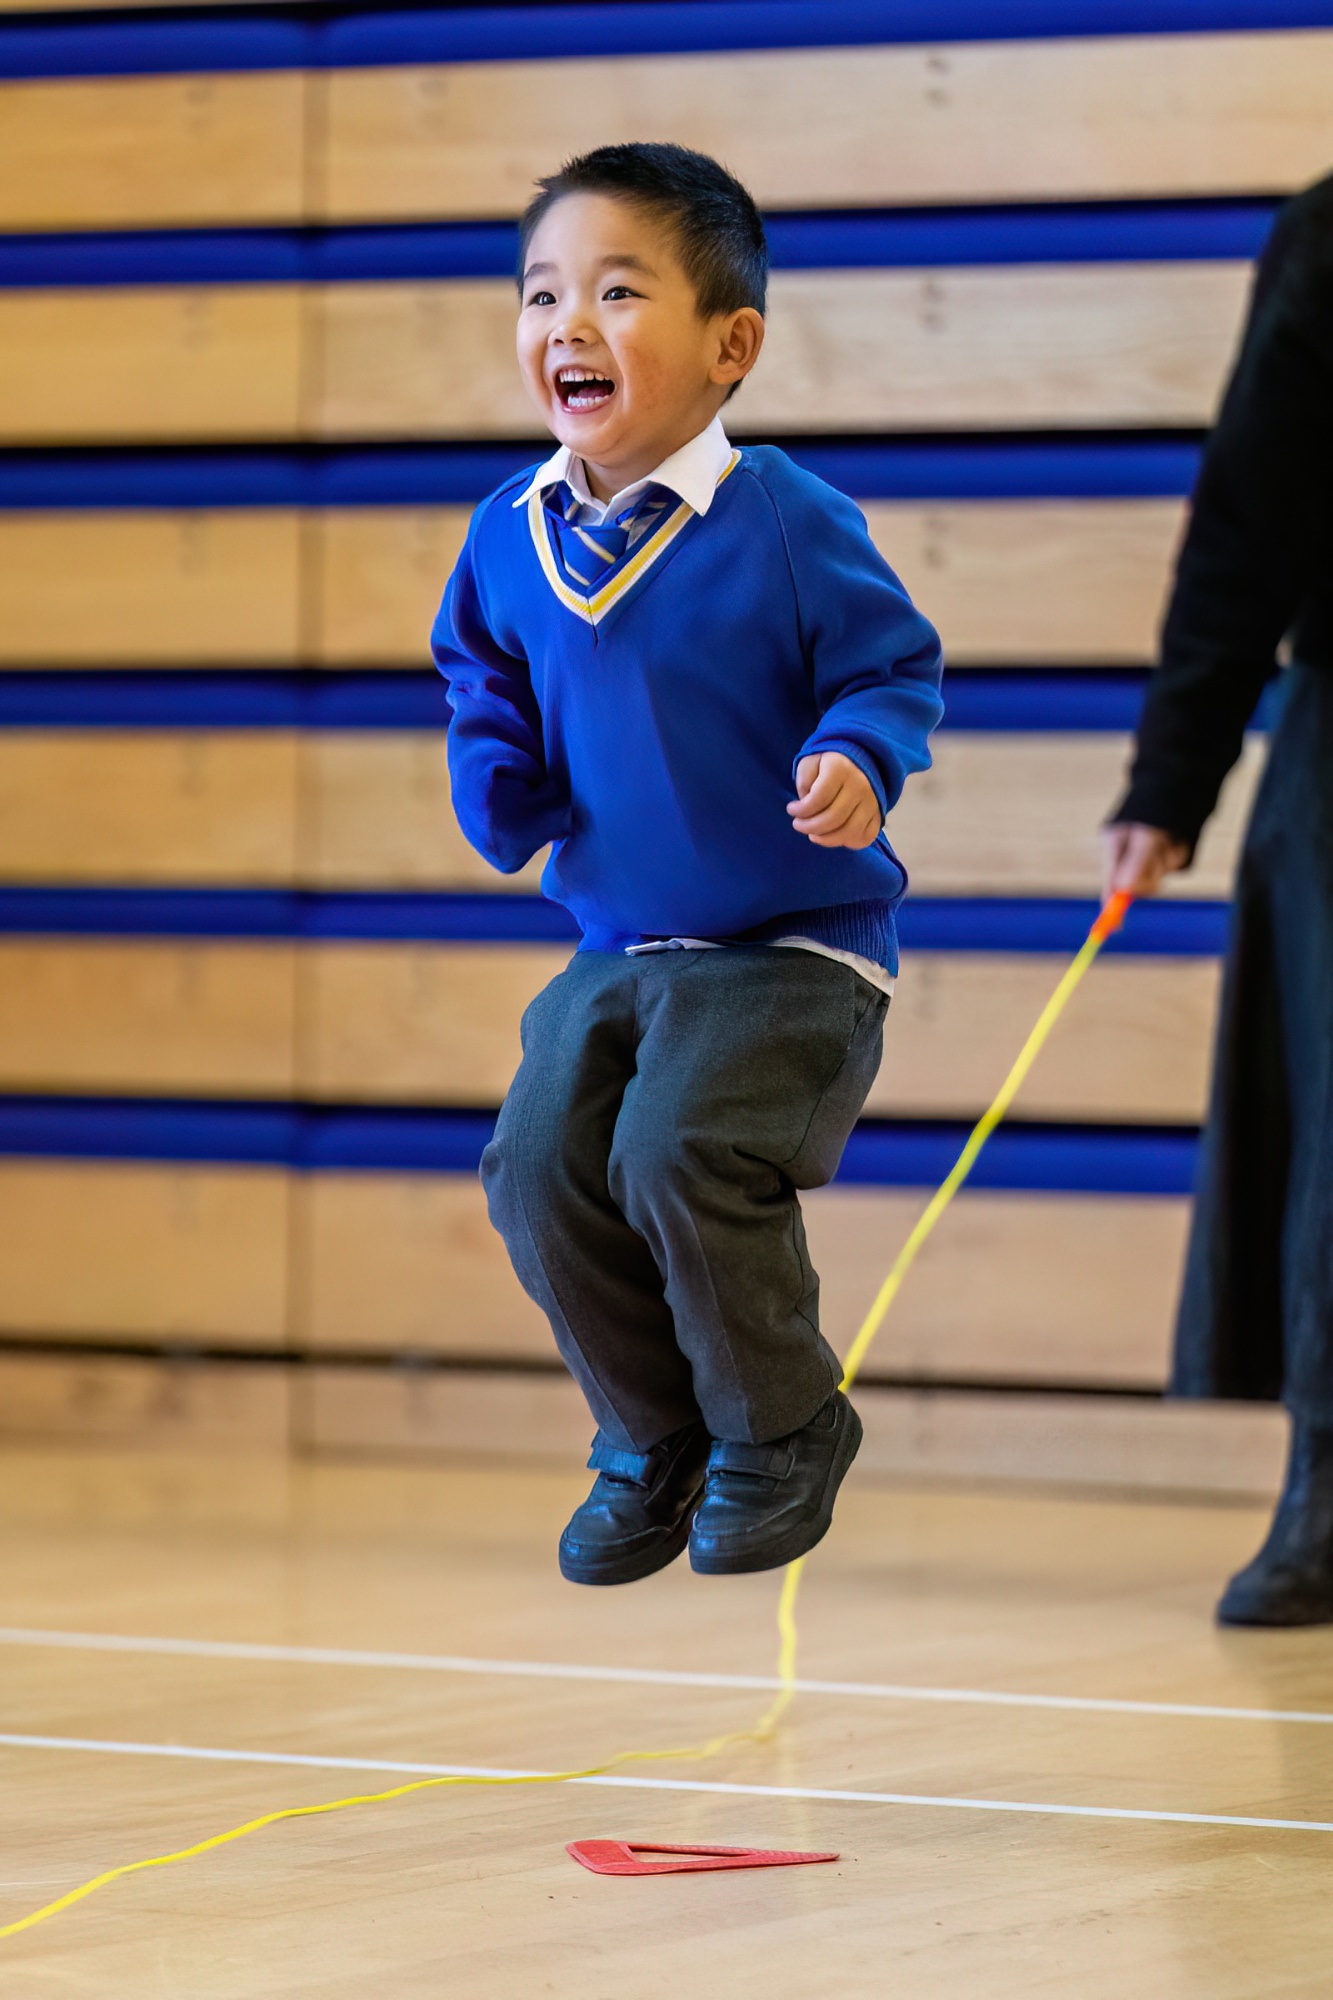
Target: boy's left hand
[[835, 803]]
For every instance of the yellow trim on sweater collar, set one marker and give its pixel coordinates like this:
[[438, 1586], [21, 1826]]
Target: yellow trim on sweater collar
[[594, 608]]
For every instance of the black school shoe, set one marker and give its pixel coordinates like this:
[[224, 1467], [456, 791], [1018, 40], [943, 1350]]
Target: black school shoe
[[637, 1517], [766, 1504]]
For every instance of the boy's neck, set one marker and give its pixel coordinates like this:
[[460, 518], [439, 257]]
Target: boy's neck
[[605, 481]]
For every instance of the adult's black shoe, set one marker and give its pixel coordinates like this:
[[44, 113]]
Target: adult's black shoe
[[1290, 1581], [766, 1504], [637, 1518]]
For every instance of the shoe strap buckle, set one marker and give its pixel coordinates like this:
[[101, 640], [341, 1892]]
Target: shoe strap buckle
[[636, 1466], [758, 1461]]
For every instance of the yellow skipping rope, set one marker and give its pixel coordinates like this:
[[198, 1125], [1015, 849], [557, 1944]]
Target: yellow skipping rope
[[1109, 920]]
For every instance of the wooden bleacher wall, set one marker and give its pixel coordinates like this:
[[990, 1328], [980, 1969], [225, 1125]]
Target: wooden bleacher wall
[[258, 1001]]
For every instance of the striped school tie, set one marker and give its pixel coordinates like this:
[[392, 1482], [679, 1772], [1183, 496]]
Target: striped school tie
[[589, 555]]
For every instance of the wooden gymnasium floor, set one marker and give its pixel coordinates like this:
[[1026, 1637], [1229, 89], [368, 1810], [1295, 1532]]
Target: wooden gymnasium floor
[[469, 1893]]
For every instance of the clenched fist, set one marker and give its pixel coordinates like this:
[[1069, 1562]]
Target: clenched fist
[[835, 803]]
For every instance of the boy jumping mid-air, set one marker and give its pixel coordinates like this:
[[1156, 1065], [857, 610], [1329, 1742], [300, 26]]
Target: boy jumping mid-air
[[650, 643]]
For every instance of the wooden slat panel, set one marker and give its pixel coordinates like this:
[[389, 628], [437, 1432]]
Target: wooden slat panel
[[124, 152], [439, 1023], [193, 806], [1134, 1045], [1064, 581], [426, 1023], [151, 588], [999, 121], [1021, 1287], [421, 1022], [146, 1404], [1200, 1450], [381, 575], [1041, 345], [1019, 815], [93, 1249], [379, 812], [1032, 581], [409, 1263], [427, 358], [207, 362], [1015, 1287], [110, 1015], [1195, 1450], [511, 1415], [847, 351], [999, 814]]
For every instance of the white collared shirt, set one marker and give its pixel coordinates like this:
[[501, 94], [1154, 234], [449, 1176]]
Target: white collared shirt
[[692, 474]]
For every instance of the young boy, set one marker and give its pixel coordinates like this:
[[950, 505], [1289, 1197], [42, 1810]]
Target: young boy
[[650, 642]]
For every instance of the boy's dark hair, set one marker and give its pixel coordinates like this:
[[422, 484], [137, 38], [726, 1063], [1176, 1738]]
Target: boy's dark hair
[[719, 232]]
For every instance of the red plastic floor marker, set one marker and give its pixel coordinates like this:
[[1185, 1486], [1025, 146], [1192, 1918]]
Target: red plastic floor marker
[[621, 1857]]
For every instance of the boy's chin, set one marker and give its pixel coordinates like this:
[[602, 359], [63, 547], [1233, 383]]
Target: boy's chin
[[590, 432]]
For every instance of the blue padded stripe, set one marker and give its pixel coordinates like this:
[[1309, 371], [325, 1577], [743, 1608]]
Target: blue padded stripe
[[1071, 233], [1065, 1159], [1009, 468], [199, 39], [1170, 928], [291, 476], [1057, 924], [287, 38], [1010, 699], [1035, 1158], [1092, 466], [223, 698], [1049, 698], [1055, 233], [490, 33], [75, 911], [382, 915], [145, 1129], [987, 699]]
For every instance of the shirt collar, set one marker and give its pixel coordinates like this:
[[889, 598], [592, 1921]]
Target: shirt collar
[[692, 473]]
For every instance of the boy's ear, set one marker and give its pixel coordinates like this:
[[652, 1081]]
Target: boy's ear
[[740, 337]]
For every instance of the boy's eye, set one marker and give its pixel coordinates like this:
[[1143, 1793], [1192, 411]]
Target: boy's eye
[[619, 292], [542, 299]]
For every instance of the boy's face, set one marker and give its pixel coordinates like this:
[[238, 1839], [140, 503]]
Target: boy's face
[[613, 350]]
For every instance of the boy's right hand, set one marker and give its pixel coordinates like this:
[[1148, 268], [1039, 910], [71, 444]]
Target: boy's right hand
[[1137, 858]]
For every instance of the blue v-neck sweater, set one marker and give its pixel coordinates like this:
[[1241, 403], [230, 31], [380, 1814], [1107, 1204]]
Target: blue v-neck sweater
[[650, 729]]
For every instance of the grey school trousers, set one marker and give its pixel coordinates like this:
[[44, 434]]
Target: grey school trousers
[[644, 1172]]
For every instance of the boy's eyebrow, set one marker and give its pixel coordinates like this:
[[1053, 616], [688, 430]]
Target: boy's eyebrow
[[622, 260], [625, 260]]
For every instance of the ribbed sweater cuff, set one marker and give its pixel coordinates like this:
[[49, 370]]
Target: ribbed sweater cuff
[[863, 761], [1147, 805]]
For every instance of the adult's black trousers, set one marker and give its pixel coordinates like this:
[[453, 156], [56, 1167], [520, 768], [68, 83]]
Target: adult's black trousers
[[1256, 1312]]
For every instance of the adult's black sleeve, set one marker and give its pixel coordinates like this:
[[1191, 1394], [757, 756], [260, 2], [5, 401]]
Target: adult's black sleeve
[[1257, 535]]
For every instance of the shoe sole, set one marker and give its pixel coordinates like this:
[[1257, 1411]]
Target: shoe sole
[[632, 1569], [806, 1535], [1258, 1618]]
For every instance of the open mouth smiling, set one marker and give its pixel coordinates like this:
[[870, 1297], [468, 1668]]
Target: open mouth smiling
[[581, 390]]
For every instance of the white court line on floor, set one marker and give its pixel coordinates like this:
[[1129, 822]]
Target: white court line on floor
[[89, 1745], [553, 1670]]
